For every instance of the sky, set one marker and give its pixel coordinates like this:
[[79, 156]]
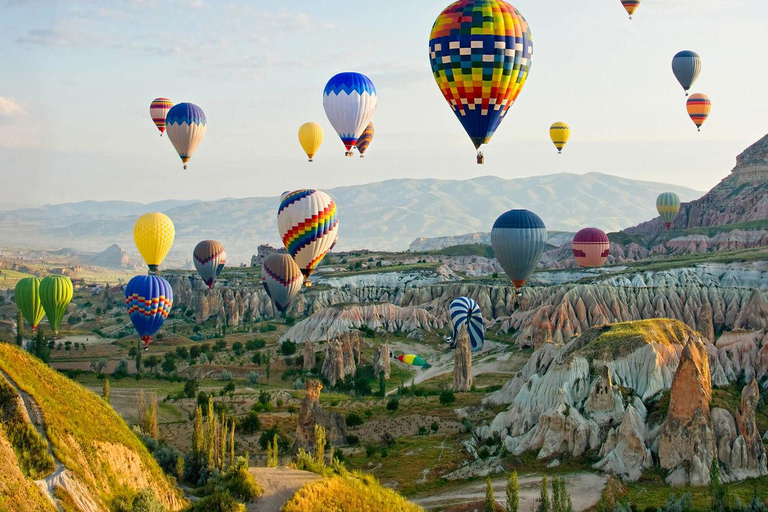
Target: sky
[[77, 79]]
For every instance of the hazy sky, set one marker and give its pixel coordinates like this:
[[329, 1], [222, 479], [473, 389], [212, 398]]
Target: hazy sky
[[77, 79]]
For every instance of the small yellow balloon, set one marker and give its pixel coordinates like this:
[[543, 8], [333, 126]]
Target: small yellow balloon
[[311, 138], [559, 133], [154, 234]]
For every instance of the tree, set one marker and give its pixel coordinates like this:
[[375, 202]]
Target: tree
[[393, 404], [490, 502], [105, 390], [268, 360], [169, 363], [447, 397], [40, 347], [513, 493], [198, 441], [190, 388], [19, 328], [718, 493], [544, 497], [320, 442], [151, 362], [288, 348], [148, 414], [250, 423], [556, 498], [382, 385]]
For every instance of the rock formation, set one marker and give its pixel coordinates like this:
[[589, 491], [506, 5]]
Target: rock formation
[[339, 360], [312, 414], [748, 458], [309, 355], [687, 441], [381, 361], [624, 451], [462, 362]]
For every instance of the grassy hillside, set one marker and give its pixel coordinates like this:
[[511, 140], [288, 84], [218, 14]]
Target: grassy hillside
[[616, 340], [17, 492], [88, 436]]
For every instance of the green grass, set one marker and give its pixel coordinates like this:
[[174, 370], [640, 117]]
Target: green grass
[[652, 492], [616, 340]]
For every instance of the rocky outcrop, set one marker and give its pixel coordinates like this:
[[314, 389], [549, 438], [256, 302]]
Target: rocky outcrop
[[754, 314], [705, 323], [748, 458], [624, 452], [312, 414], [604, 403], [339, 360], [381, 361], [310, 359], [462, 362], [686, 441]]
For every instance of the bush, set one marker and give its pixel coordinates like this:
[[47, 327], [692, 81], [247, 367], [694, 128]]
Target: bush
[[255, 344], [250, 423], [253, 378], [447, 397], [422, 430], [288, 348], [256, 359], [237, 348], [370, 450], [352, 440], [190, 388], [121, 371], [393, 404], [243, 486], [354, 420], [435, 427], [225, 375], [182, 353], [387, 439], [219, 501]]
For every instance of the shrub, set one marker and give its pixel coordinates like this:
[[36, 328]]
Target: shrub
[[393, 404], [387, 439], [219, 501], [255, 344], [182, 353], [253, 378], [422, 430], [121, 371], [352, 440], [354, 420], [243, 486], [256, 359], [434, 426], [288, 348], [370, 450], [447, 397], [225, 375], [190, 388]]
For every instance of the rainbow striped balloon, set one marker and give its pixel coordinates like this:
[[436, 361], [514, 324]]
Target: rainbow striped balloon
[[308, 226], [699, 107], [365, 140], [630, 6], [158, 109], [668, 206]]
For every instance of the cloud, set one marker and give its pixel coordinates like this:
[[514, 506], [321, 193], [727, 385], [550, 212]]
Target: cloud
[[8, 107], [56, 37]]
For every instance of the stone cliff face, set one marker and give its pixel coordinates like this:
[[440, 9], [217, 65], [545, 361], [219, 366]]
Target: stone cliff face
[[462, 362], [312, 414], [340, 361]]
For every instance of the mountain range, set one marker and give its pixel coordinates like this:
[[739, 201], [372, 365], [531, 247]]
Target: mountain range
[[384, 216]]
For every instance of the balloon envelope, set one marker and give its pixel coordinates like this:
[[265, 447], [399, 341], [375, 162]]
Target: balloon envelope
[[27, 296], [518, 238], [686, 65], [311, 138], [55, 295], [699, 106], [630, 6], [559, 133], [668, 205], [308, 225], [591, 247], [209, 257], [413, 360], [282, 279], [466, 311], [158, 110], [186, 125], [149, 300], [480, 52], [350, 101], [154, 234], [365, 140]]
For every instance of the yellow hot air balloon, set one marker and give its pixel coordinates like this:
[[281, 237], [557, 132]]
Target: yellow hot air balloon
[[560, 133], [154, 234], [311, 138]]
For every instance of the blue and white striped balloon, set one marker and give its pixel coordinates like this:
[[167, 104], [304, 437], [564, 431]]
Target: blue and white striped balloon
[[466, 311], [350, 101]]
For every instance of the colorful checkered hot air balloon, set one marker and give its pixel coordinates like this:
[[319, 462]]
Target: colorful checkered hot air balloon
[[282, 279], [154, 234], [591, 247], [480, 51], [365, 140], [466, 311], [350, 101], [630, 6], [686, 65], [149, 300], [308, 225], [209, 257], [668, 206], [559, 133], [158, 110], [27, 296], [186, 125], [699, 107], [518, 238]]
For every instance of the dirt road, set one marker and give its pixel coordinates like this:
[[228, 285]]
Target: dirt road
[[279, 484]]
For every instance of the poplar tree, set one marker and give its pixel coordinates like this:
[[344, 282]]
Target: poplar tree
[[544, 496], [105, 391], [513, 493], [490, 502]]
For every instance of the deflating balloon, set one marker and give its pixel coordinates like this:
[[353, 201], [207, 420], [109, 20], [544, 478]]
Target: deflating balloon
[[591, 247], [630, 6], [518, 238], [158, 110], [365, 140], [699, 107], [480, 51], [668, 206], [153, 234], [308, 225], [413, 360], [559, 133], [466, 311], [55, 295], [210, 258], [27, 296], [149, 300], [186, 125], [310, 138], [282, 279], [350, 101], [686, 65]]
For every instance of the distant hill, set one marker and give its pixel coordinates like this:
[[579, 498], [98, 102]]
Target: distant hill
[[385, 216]]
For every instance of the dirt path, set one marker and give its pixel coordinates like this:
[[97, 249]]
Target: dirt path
[[279, 484], [585, 490]]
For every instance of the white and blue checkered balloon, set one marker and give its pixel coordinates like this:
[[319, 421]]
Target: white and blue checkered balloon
[[466, 311]]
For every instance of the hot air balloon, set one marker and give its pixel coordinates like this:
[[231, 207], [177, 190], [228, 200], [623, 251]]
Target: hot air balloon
[[158, 110], [630, 6], [480, 51], [699, 107], [591, 247], [310, 138], [365, 140], [466, 311], [153, 234], [518, 238], [186, 126], [413, 360], [210, 258], [668, 205], [149, 300], [55, 295], [560, 133], [350, 101], [282, 279], [686, 65], [27, 295], [307, 222]]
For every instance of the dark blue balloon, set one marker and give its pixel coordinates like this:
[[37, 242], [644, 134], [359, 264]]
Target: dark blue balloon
[[149, 300]]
